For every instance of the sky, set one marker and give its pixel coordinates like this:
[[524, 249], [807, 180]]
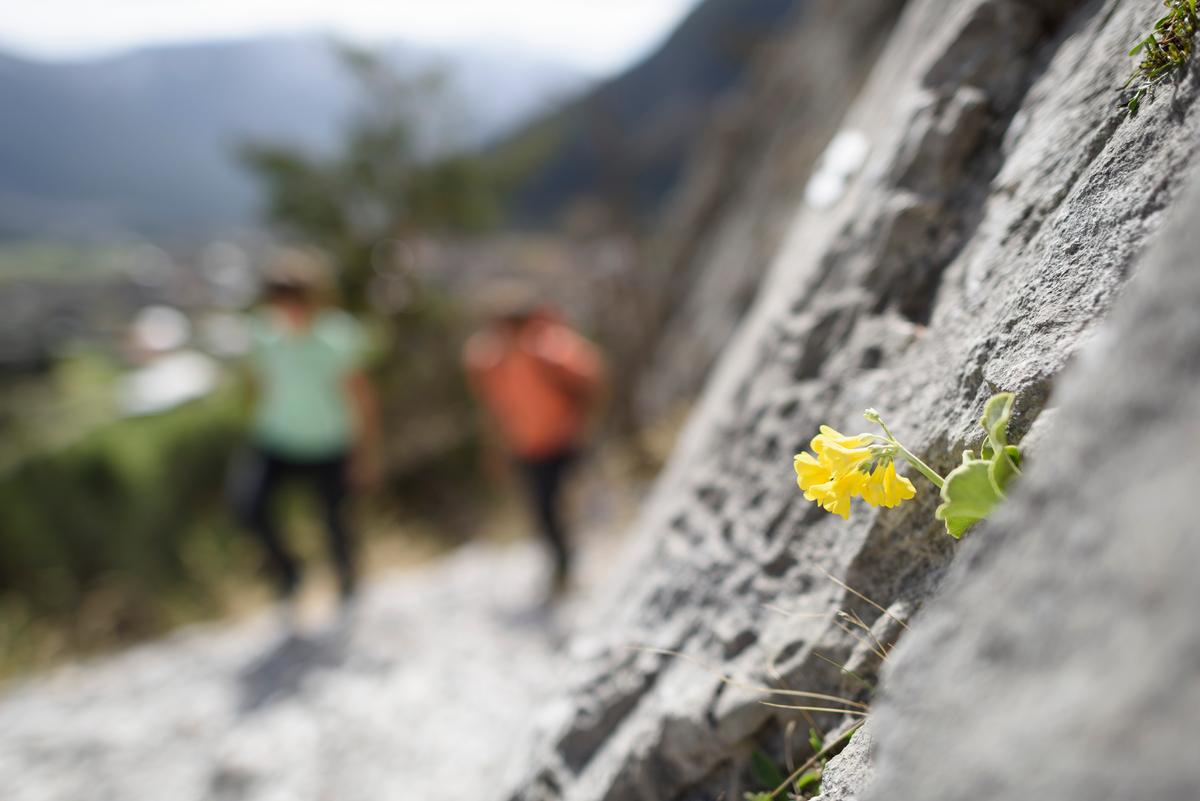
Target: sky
[[596, 36]]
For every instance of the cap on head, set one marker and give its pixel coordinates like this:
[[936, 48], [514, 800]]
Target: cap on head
[[508, 300], [300, 274]]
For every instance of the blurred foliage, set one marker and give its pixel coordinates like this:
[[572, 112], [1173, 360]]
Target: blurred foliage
[[381, 184], [38, 415], [120, 534]]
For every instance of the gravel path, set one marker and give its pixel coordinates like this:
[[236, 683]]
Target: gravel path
[[432, 689]]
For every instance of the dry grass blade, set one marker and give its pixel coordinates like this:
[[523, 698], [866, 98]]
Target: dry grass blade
[[776, 608], [754, 687], [845, 670], [858, 594], [794, 707], [861, 639], [858, 621]]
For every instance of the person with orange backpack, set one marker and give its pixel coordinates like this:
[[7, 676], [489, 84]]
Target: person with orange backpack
[[539, 382]]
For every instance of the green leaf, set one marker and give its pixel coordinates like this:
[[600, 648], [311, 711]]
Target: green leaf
[[1135, 102], [815, 740], [985, 449], [1003, 466], [974, 488], [765, 771], [758, 797], [968, 496], [809, 779], [996, 414]]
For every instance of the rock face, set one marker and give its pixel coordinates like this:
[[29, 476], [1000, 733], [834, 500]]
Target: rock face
[[850, 771], [1069, 627], [1004, 204], [726, 220]]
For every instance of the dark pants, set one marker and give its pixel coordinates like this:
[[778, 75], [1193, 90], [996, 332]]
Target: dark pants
[[257, 482], [544, 478]]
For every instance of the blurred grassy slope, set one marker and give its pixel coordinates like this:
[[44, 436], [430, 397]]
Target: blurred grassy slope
[[119, 534]]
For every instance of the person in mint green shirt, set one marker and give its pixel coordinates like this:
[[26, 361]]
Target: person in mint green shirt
[[314, 420]]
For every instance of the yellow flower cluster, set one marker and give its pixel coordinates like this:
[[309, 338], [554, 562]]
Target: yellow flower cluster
[[838, 473]]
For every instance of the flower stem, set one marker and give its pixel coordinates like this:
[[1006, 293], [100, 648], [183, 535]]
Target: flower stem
[[921, 467]]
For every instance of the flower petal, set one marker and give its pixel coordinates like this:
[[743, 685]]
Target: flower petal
[[810, 472], [896, 488], [843, 460]]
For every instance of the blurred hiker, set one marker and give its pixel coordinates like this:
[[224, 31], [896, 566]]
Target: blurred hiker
[[538, 380], [315, 421]]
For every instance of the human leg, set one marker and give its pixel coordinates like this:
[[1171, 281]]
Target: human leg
[[545, 479], [332, 489], [263, 476]]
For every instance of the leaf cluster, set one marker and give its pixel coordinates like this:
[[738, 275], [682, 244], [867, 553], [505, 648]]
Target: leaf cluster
[[1166, 49], [974, 488]]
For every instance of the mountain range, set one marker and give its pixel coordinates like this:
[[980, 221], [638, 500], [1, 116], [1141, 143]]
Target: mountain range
[[624, 143], [142, 142]]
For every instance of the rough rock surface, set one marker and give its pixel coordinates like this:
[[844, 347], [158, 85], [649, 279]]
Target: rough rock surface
[[1004, 204], [850, 771], [431, 692], [1062, 660], [726, 220]]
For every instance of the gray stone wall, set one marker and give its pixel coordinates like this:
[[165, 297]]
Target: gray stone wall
[[724, 223], [1005, 203], [1063, 659]]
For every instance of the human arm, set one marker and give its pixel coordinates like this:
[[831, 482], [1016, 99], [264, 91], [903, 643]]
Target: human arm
[[570, 360], [365, 458]]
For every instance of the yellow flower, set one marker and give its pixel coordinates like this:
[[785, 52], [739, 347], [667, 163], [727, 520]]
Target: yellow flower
[[885, 488], [829, 436], [834, 496], [833, 476], [896, 488], [838, 473], [842, 460], [810, 473]]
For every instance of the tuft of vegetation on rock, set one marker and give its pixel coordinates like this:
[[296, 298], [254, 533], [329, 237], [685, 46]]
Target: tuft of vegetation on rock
[[1164, 51]]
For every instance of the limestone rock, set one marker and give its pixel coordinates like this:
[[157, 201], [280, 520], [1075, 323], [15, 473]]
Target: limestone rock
[[726, 220], [1061, 662], [1005, 202], [848, 773]]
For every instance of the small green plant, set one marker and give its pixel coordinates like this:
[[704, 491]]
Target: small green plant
[[803, 785], [804, 781], [1163, 51], [863, 465], [977, 485], [766, 773], [810, 781]]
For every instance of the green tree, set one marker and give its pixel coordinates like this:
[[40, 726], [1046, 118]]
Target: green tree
[[394, 175]]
